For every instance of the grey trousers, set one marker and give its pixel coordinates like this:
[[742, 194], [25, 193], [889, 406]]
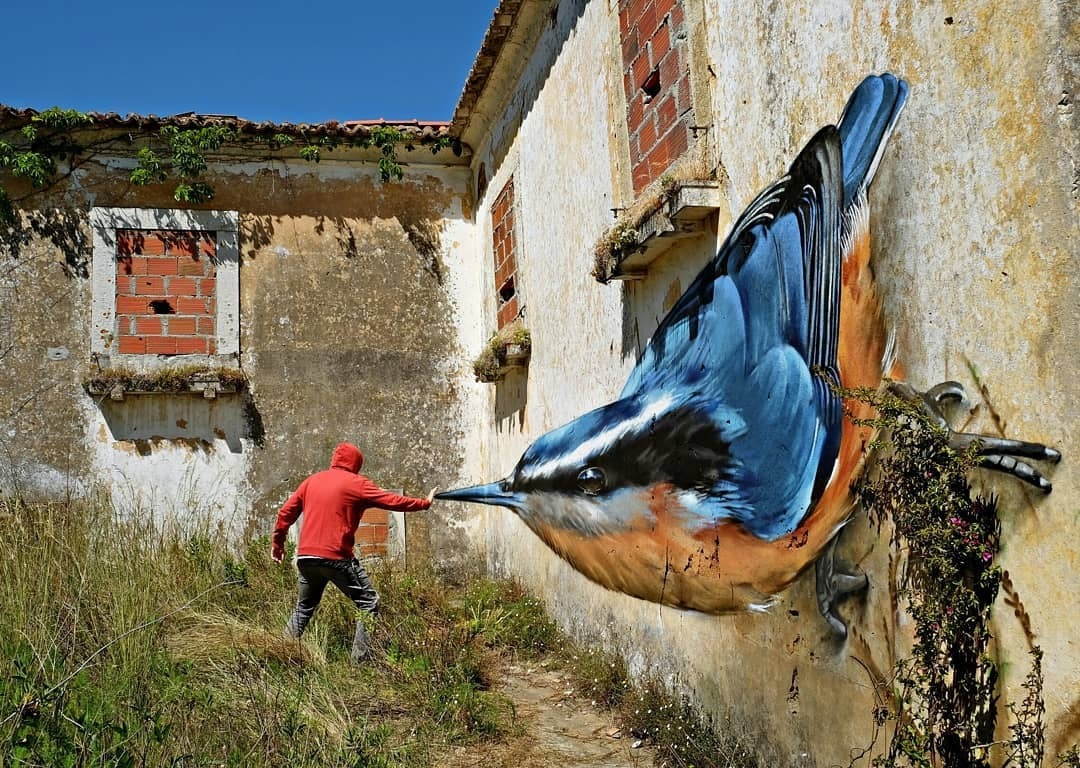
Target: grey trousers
[[348, 576]]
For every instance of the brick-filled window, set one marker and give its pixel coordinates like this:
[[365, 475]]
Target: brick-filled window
[[504, 247], [166, 283], [373, 533], [165, 287], [656, 81]]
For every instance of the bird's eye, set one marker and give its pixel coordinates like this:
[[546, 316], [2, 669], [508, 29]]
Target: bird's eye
[[592, 480]]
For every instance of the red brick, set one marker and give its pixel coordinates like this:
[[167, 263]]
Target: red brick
[[205, 326], [161, 266], [149, 326], [508, 312], [375, 516], [182, 244], [124, 242], [683, 93], [132, 345], [666, 114], [181, 326], [207, 286], [664, 7], [637, 7], [160, 345], [647, 22], [648, 136], [677, 16], [131, 265], [148, 244], [658, 160], [641, 176], [370, 534], [183, 286], [624, 17], [660, 43], [189, 306], [150, 285], [373, 550], [635, 112], [193, 266], [671, 69], [132, 305], [676, 141], [629, 45], [211, 346], [191, 345], [641, 68], [125, 285], [208, 244]]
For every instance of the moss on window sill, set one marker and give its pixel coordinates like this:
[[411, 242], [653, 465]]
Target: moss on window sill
[[199, 380], [507, 349]]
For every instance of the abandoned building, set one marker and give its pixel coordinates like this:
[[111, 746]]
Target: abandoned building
[[196, 360]]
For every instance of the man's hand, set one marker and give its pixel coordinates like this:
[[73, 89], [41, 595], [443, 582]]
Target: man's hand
[[431, 496], [277, 554]]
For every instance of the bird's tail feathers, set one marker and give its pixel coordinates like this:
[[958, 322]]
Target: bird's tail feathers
[[865, 126]]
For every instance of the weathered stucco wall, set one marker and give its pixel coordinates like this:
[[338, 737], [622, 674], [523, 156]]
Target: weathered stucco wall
[[349, 305], [975, 234]]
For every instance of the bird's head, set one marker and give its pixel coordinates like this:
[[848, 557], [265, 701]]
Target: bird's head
[[594, 475]]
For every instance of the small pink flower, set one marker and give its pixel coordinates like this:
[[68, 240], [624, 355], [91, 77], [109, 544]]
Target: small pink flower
[[987, 556]]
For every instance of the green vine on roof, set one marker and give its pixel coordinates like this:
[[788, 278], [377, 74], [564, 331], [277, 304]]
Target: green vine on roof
[[172, 153]]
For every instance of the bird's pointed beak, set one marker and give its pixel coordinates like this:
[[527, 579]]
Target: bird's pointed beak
[[498, 494]]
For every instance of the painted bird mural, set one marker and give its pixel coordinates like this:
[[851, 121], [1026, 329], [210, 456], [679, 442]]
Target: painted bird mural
[[722, 471]]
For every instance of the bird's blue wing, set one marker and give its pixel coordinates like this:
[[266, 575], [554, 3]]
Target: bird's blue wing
[[757, 332]]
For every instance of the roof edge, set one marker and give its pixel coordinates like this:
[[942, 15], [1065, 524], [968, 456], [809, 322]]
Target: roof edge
[[498, 32], [417, 130]]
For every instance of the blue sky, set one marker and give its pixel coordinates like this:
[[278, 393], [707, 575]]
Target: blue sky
[[268, 60]]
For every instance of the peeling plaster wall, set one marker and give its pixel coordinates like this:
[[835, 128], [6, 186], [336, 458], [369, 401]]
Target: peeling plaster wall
[[976, 239], [351, 299]]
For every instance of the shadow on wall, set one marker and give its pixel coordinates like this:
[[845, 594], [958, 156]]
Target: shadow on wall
[[511, 396], [197, 421]]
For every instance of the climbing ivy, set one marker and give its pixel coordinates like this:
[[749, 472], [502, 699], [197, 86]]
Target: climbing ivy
[[942, 703], [31, 154], [171, 153]]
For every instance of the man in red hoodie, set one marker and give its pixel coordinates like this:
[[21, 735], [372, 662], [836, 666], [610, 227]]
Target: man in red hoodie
[[332, 502]]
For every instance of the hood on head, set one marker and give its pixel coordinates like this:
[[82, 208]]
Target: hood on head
[[347, 456]]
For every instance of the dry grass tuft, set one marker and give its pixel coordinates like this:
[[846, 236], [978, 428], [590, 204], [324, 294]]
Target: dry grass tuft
[[204, 637]]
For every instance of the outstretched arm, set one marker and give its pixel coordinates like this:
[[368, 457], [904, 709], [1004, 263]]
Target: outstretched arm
[[368, 494]]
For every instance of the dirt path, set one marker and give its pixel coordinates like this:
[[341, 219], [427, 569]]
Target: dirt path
[[558, 729]]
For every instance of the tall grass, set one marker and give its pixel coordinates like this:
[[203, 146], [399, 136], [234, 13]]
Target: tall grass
[[125, 644]]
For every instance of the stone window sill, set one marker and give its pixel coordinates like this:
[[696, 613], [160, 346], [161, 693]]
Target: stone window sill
[[683, 214]]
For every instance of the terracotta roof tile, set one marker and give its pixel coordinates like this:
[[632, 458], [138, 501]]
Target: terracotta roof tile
[[419, 130]]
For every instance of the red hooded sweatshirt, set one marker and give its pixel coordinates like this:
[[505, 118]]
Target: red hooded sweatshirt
[[332, 502]]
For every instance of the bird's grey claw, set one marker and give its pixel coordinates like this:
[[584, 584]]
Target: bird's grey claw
[[996, 453], [832, 585], [946, 390]]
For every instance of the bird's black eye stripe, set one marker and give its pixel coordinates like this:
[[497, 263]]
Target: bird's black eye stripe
[[592, 480]]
